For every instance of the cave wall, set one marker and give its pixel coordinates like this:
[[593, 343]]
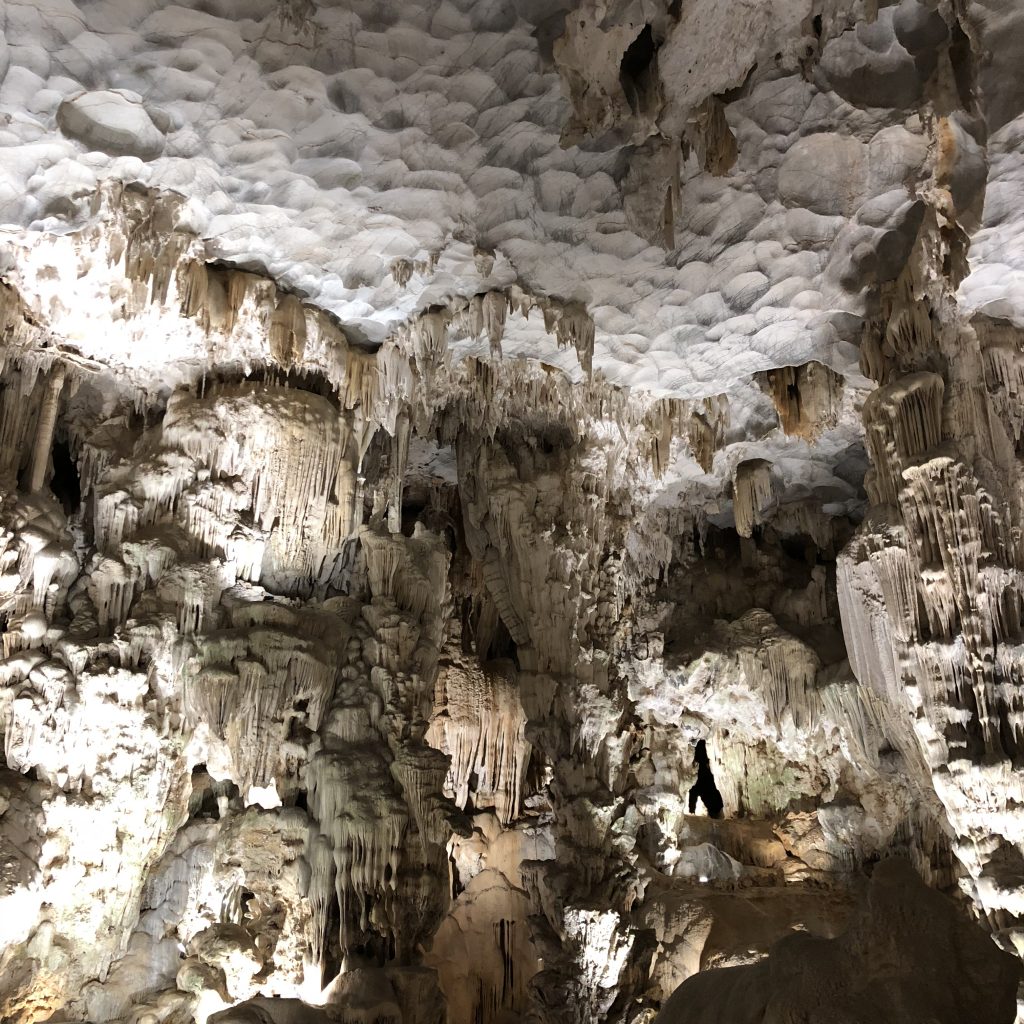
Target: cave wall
[[506, 508]]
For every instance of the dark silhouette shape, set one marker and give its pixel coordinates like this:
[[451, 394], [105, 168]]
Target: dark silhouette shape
[[704, 788]]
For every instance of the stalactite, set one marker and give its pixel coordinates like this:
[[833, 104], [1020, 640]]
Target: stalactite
[[484, 732], [710, 135], [807, 398], [252, 688], [902, 421], [753, 493]]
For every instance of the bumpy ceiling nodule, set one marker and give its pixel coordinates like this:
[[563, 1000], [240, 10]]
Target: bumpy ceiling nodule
[[511, 511]]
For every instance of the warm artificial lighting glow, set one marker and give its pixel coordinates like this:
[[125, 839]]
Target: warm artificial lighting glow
[[310, 990]]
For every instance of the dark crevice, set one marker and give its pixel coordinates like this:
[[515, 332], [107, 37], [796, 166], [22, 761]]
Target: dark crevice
[[639, 54], [738, 92], [704, 789], [637, 67], [497, 644], [246, 896], [332, 947], [1007, 739], [962, 59], [66, 484], [413, 507], [210, 796]]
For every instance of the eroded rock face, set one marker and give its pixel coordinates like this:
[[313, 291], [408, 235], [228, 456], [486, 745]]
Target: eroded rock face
[[505, 508]]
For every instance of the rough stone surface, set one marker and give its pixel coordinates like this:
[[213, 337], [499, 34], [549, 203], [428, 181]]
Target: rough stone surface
[[907, 956], [112, 121]]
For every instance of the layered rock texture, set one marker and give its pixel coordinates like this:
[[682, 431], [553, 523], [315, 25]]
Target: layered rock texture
[[511, 511]]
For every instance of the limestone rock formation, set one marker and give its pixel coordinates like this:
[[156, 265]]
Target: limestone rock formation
[[907, 956], [510, 511]]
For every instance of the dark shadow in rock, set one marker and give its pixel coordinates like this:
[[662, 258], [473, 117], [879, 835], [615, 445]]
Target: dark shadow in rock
[[909, 955], [704, 789], [637, 70], [65, 484]]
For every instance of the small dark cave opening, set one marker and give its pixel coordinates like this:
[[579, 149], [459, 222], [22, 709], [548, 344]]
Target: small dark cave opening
[[502, 646], [636, 63], [210, 798], [535, 775], [375, 949], [66, 484], [704, 789], [418, 506], [411, 512], [313, 382], [245, 898], [473, 784], [721, 543], [484, 633], [638, 69], [803, 550], [1005, 714], [551, 438]]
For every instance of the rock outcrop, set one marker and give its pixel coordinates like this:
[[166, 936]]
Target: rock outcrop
[[908, 955]]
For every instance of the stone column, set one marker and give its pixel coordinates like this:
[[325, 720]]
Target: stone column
[[44, 432]]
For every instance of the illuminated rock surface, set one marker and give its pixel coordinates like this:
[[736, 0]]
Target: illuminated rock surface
[[509, 507]]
